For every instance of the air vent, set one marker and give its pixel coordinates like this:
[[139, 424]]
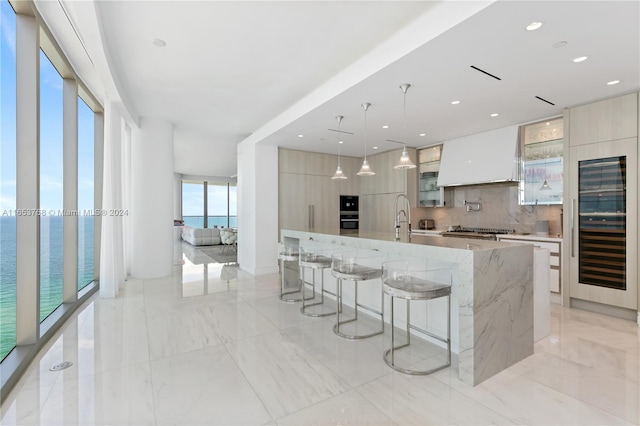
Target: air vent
[[544, 100], [484, 72]]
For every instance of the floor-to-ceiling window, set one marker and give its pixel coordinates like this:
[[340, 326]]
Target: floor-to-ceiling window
[[7, 179], [193, 204], [233, 205], [86, 170], [217, 205], [215, 202], [51, 176]]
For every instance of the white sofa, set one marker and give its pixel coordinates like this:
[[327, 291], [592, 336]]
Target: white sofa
[[201, 236]]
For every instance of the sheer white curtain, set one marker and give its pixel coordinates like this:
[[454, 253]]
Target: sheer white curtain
[[112, 248]]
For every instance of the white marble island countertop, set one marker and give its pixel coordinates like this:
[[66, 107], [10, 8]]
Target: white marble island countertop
[[492, 292]]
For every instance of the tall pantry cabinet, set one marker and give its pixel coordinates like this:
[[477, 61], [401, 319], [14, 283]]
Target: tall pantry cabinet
[[308, 198], [601, 211]]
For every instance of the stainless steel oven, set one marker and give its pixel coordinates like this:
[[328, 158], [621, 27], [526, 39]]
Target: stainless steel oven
[[349, 214], [349, 223]]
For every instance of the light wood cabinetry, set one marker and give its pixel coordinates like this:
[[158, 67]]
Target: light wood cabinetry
[[308, 197], [607, 120], [378, 192], [554, 245], [601, 207]]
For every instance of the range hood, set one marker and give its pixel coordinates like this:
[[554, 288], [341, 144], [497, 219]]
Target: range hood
[[487, 157]]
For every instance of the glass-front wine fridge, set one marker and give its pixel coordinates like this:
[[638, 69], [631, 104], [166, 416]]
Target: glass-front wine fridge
[[604, 223]]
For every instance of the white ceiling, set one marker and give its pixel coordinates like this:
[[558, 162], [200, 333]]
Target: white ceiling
[[235, 69]]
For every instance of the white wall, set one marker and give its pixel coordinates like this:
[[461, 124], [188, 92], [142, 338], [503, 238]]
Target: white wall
[[152, 207], [257, 208]]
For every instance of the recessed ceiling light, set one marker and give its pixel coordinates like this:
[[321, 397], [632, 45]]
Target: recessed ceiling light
[[375, 147], [495, 114], [159, 42], [455, 102], [580, 59], [340, 142], [534, 26], [301, 136], [385, 126], [612, 82], [423, 134], [547, 123]]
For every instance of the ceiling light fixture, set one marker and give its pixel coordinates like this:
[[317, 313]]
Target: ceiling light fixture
[[365, 170], [545, 185], [495, 114], [374, 147], [611, 83], [405, 162], [534, 26], [580, 59], [300, 136], [455, 102], [385, 126], [339, 174], [423, 134]]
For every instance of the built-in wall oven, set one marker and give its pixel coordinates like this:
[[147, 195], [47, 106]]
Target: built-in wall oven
[[349, 214]]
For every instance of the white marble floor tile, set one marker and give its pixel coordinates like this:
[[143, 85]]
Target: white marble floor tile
[[204, 387], [526, 401], [197, 348], [286, 377], [613, 393], [117, 397], [421, 400], [349, 408], [354, 361]]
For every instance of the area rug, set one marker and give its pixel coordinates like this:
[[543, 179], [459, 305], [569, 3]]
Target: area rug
[[219, 254]]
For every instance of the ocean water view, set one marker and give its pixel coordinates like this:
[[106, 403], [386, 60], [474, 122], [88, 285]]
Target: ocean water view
[[219, 221], [51, 261]]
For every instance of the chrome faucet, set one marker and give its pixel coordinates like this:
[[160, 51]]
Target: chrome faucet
[[407, 217]]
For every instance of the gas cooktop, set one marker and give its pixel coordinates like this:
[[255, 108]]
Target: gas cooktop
[[481, 233]]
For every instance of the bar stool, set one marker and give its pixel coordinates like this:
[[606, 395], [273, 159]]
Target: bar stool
[[412, 280], [288, 253], [316, 258], [356, 267]]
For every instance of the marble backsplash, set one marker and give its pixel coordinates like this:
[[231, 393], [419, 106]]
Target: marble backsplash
[[499, 209]]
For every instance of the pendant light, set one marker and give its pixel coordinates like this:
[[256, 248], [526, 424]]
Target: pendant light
[[339, 174], [545, 185], [365, 170], [405, 162]]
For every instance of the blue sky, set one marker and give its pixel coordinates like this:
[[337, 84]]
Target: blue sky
[[50, 129], [193, 200]]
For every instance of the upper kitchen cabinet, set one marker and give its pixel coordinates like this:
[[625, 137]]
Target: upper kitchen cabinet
[[387, 179], [542, 145], [607, 120], [429, 193]]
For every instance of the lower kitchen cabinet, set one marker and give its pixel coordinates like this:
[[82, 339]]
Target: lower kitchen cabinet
[[554, 245]]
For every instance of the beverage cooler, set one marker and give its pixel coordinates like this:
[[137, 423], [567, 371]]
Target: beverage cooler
[[604, 223]]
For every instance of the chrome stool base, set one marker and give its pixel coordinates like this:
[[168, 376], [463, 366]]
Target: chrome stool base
[[318, 263], [416, 289], [336, 327], [283, 294]]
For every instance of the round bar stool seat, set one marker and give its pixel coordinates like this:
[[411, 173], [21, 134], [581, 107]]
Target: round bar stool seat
[[288, 254], [400, 281], [316, 259], [356, 267]]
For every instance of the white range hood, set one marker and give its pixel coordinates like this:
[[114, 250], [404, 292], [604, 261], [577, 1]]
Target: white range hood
[[487, 157]]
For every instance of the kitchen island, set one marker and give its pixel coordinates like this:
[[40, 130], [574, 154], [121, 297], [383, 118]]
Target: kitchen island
[[492, 292]]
